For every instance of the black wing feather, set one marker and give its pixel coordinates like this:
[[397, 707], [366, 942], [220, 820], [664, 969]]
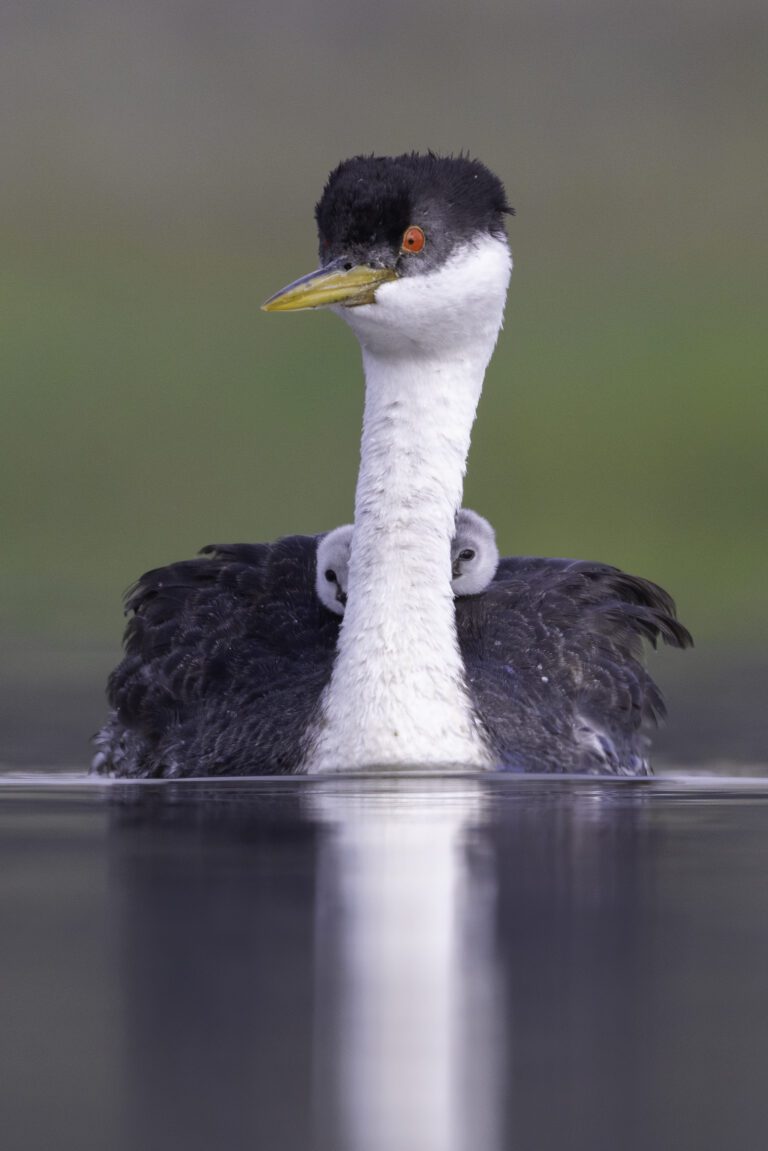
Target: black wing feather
[[553, 652], [225, 660]]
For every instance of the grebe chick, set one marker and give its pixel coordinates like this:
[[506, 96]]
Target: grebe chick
[[332, 575], [474, 554], [474, 559]]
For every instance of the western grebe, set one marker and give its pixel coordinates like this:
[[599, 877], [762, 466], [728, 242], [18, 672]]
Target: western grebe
[[233, 666]]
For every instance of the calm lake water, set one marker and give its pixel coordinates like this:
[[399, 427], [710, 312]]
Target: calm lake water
[[391, 964]]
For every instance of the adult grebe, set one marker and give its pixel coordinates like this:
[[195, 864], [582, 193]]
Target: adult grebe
[[232, 664], [474, 559]]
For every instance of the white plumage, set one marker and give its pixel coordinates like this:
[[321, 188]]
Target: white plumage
[[474, 559]]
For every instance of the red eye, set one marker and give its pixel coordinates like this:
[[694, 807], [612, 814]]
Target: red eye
[[413, 239]]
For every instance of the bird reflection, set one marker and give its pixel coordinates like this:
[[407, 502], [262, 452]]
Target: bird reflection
[[386, 963], [407, 1050]]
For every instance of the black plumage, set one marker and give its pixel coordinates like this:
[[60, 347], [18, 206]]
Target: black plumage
[[369, 201], [227, 655]]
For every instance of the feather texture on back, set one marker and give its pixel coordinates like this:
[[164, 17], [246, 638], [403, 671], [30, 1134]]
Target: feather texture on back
[[227, 655]]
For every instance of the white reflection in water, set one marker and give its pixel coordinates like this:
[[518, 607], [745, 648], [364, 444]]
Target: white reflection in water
[[407, 1049]]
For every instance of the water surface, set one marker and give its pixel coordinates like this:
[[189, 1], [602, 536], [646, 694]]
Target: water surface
[[426, 964]]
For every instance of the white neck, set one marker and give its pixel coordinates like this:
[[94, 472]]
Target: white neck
[[397, 695]]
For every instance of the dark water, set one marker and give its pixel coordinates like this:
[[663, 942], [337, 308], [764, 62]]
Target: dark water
[[406, 964]]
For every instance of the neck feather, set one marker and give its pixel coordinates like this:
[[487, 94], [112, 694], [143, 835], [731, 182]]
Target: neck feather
[[397, 695]]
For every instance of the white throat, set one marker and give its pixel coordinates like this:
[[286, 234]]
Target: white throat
[[397, 695]]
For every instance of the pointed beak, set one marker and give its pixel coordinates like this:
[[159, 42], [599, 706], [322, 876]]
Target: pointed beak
[[334, 284]]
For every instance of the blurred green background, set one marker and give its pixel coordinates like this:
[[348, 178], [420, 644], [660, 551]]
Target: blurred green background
[[160, 165]]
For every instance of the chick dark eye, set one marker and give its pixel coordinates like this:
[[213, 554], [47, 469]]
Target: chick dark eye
[[467, 554], [330, 575], [413, 239]]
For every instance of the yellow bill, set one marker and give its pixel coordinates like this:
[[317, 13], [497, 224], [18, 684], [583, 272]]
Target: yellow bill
[[348, 286]]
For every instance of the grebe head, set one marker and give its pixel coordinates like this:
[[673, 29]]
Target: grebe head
[[474, 554], [332, 573], [413, 252]]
